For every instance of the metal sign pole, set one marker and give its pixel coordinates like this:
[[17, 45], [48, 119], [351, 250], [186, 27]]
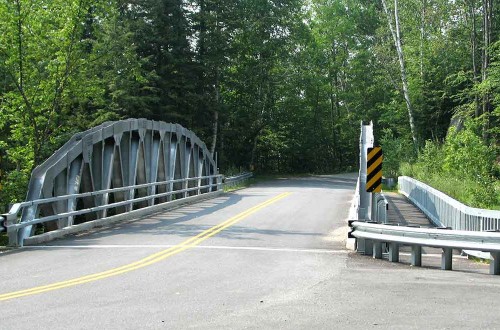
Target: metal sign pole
[[365, 142]]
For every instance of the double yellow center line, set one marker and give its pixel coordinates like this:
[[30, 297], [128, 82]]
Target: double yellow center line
[[152, 259]]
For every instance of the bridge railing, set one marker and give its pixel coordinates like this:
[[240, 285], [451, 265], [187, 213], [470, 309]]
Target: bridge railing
[[202, 186], [380, 205], [445, 211], [232, 181]]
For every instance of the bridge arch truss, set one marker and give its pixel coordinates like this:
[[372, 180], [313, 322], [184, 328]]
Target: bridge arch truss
[[133, 152]]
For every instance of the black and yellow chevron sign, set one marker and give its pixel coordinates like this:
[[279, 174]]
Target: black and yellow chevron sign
[[374, 170]]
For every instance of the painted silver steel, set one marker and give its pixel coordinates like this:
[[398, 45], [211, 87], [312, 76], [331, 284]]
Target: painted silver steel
[[128, 164], [235, 180], [365, 141], [380, 205]]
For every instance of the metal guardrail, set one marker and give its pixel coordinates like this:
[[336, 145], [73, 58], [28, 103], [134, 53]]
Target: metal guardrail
[[445, 211], [210, 183], [441, 209], [370, 238], [236, 179]]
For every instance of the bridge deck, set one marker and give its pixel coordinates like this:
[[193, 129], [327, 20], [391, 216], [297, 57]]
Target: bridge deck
[[401, 211]]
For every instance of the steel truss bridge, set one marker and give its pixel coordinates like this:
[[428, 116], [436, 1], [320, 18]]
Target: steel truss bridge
[[110, 172]]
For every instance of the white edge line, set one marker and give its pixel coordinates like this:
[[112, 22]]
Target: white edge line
[[250, 248], [213, 247]]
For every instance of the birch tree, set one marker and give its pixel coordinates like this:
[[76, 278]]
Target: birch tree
[[395, 29]]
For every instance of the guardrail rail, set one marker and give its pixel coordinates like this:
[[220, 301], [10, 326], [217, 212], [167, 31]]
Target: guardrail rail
[[371, 236], [235, 180]]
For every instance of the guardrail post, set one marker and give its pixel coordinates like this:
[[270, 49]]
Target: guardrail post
[[219, 183], [368, 247], [416, 255], [377, 250], [446, 258], [495, 263], [360, 245], [393, 252]]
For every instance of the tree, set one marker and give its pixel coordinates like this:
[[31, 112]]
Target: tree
[[396, 35]]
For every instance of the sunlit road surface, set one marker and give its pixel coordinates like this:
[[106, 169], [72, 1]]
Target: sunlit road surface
[[271, 256]]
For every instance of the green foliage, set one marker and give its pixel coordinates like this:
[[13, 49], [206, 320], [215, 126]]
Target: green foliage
[[462, 167], [14, 187], [395, 150], [280, 85], [466, 155]]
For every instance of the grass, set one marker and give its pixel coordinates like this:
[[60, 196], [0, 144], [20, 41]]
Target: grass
[[241, 185], [479, 260], [385, 188], [479, 193], [466, 191]]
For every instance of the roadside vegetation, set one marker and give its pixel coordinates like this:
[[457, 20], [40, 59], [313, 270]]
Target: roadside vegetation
[[4, 239], [240, 185], [462, 166]]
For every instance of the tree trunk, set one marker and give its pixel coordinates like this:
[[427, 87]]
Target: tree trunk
[[473, 41], [396, 35], [422, 38], [216, 113], [487, 19], [254, 150]]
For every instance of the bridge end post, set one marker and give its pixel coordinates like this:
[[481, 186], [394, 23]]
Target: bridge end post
[[13, 234], [365, 141]]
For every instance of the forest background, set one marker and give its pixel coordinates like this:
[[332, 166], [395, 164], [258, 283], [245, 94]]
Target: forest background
[[278, 84]]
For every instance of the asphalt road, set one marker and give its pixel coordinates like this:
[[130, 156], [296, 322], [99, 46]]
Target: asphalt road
[[268, 257]]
